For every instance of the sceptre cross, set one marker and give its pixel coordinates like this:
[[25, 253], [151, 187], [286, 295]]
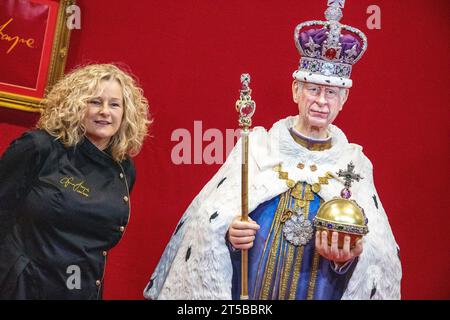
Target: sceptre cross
[[245, 106]]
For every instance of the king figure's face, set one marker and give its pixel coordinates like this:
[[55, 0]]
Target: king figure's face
[[318, 105]]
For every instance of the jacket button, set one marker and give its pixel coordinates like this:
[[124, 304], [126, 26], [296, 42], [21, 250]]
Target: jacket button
[[98, 283], [105, 253], [125, 199], [122, 228], [121, 175]]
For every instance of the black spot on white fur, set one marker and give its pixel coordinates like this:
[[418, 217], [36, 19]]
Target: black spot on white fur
[[179, 226], [188, 254], [221, 181], [375, 200], [374, 290], [213, 216], [150, 284]]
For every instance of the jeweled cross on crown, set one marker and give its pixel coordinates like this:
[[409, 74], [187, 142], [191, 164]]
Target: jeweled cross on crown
[[336, 3]]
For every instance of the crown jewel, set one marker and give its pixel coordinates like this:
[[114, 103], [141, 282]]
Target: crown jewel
[[328, 53]]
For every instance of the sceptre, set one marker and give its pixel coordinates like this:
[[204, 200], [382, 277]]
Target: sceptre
[[246, 107]]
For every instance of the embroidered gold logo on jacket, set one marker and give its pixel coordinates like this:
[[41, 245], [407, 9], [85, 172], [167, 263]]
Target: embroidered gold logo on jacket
[[68, 182]]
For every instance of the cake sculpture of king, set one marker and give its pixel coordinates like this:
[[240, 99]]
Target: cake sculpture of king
[[317, 228]]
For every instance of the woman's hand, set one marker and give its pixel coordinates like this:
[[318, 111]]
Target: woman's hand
[[241, 234], [333, 253]]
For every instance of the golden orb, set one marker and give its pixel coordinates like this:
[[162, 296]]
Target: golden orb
[[343, 216]]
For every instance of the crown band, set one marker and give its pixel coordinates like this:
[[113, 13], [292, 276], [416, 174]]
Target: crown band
[[325, 68]]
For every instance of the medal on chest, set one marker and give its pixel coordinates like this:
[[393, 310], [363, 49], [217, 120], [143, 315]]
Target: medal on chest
[[297, 229]]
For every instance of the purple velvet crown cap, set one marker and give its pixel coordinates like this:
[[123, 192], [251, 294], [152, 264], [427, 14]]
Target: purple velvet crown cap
[[347, 41]]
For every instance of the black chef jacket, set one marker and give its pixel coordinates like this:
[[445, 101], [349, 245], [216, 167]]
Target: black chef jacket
[[61, 210]]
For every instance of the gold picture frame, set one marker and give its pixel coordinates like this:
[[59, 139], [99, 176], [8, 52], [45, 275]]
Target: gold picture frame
[[52, 55]]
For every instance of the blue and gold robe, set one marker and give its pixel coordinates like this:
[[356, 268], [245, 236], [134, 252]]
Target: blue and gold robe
[[277, 269], [280, 270]]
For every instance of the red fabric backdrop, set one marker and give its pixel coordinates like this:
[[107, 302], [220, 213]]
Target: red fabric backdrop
[[189, 55]]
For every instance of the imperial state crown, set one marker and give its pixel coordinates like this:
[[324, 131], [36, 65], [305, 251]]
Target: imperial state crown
[[328, 48]]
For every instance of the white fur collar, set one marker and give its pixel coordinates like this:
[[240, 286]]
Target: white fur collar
[[290, 151]]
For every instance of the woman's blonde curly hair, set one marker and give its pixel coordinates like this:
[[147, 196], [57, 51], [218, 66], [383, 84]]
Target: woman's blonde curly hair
[[65, 105]]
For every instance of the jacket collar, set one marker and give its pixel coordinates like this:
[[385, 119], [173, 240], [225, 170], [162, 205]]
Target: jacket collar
[[92, 151]]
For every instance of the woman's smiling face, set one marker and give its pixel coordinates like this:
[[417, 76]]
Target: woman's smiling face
[[104, 113]]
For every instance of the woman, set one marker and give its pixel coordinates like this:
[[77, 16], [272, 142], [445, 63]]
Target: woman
[[65, 188]]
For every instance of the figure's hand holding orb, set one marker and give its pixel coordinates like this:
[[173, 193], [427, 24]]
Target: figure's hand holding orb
[[331, 251]]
